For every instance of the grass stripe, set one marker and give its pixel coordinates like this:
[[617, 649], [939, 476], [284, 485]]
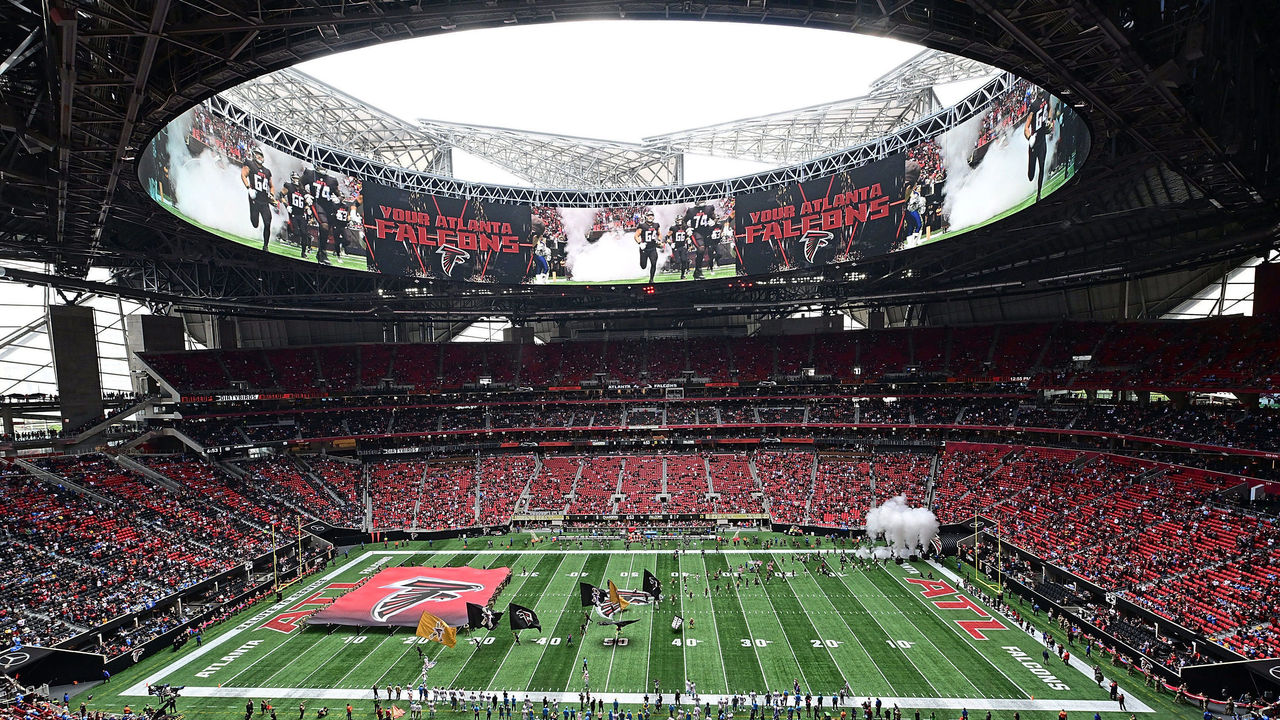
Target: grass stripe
[[946, 637], [482, 667], [744, 668], [902, 676], [666, 661], [818, 670]]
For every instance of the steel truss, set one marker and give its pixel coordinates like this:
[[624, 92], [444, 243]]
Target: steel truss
[[899, 97], [1168, 185], [312, 110], [267, 131], [324, 114]]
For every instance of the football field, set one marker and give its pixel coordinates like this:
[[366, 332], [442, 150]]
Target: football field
[[883, 631]]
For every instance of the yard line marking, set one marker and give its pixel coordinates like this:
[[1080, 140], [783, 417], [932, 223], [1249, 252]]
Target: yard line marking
[[808, 687], [750, 635], [859, 640], [536, 601], [547, 644], [715, 627], [476, 646], [614, 654]]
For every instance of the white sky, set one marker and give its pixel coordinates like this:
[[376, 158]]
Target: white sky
[[617, 80]]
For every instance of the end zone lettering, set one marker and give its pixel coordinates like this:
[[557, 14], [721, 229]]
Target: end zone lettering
[[287, 622], [1036, 668], [937, 588]]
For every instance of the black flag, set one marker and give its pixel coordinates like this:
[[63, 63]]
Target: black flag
[[652, 586], [522, 618], [592, 595], [482, 616]]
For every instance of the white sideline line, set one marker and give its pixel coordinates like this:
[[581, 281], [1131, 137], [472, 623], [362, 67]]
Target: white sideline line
[[926, 703], [1077, 663]]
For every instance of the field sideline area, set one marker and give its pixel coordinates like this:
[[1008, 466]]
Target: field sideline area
[[869, 626]]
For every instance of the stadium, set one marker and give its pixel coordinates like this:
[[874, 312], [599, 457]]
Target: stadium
[[948, 393]]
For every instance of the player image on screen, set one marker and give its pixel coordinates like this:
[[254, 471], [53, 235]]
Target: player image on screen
[[295, 200], [702, 222], [678, 237], [648, 235], [322, 190], [1039, 125], [257, 182]]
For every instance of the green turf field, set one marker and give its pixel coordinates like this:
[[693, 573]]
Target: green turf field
[[867, 627]]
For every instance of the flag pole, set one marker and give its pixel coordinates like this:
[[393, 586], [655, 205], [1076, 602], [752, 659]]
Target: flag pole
[[299, 547], [275, 573]]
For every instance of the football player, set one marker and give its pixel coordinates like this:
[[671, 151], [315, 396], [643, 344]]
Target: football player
[[294, 199], [648, 235], [323, 192], [679, 239], [702, 222], [257, 182]]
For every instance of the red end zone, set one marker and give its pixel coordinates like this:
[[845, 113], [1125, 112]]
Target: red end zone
[[399, 596]]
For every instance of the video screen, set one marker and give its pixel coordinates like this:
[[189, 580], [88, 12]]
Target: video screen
[[216, 175]]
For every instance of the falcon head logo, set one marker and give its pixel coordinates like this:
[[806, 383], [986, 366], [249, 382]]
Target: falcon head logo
[[526, 617], [450, 257], [653, 583], [415, 591], [813, 240]]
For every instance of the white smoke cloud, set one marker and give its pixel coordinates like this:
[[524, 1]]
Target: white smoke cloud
[[999, 182], [904, 528], [209, 189], [615, 255]]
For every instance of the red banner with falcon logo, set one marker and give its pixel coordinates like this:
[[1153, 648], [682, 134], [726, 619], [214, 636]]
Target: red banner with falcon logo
[[399, 596]]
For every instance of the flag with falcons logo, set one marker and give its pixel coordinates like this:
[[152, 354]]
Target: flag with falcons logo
[[599, 598], [677, 622], [592, 596], [436, 630], [522, 618], [482, 616], [652, 586]]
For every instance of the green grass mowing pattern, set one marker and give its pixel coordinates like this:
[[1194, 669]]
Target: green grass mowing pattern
[[666, 658], [859, 611], [714, 654], [742, 661], [549, 673], [939, 639], [816, 665], [879, 667], [481, 669]]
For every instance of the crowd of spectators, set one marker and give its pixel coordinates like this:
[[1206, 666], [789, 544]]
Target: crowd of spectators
[[1006, 111], [231, 140], [1229, 353]]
